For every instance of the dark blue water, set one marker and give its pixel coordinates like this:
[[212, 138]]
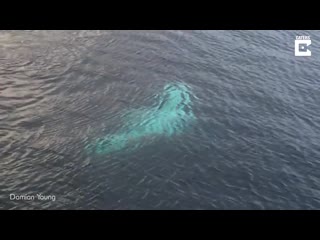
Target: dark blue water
[[255, 144]]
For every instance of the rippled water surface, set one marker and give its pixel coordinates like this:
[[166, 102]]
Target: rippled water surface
[[255, 143]]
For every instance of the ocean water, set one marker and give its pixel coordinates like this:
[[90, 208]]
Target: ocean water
[[253, 142]]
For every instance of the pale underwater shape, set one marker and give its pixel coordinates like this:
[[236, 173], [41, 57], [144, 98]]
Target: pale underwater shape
[[170, 116]]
